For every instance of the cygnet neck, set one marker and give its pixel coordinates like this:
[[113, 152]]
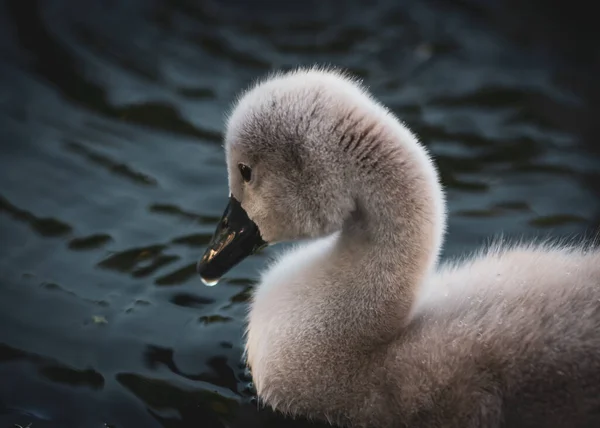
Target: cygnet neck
[[390, 243]]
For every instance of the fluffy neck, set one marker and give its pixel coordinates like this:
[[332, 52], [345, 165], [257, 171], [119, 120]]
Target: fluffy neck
[[391, 242]]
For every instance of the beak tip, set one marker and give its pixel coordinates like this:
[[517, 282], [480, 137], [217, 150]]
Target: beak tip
[[205, 276]]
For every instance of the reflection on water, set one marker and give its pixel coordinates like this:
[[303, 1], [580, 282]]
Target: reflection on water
[[43, 226], [112, 177]]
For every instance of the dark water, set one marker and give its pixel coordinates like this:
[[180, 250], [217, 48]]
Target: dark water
[[112, 175]]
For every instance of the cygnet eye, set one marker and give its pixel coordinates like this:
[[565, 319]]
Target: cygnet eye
[[246, 172]]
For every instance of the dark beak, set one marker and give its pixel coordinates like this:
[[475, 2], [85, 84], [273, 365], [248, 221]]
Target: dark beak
[[235, 239]]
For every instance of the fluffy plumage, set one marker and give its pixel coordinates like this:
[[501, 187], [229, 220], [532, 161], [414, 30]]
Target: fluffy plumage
[[360, 326]]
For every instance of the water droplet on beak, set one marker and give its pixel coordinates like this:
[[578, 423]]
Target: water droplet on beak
[[209, 282]]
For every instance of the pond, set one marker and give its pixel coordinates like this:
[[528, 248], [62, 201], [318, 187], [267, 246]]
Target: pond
[[112, 176]]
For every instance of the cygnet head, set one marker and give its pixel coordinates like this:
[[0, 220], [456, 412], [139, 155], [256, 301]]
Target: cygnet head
[[299, 146]]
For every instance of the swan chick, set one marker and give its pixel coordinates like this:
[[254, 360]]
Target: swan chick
[[359, 325]]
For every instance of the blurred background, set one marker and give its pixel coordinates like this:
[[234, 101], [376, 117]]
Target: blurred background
[[112, 175]]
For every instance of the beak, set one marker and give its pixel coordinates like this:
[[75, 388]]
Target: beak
[[236, 238]]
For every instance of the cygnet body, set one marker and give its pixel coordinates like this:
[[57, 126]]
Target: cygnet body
[[359, 325]]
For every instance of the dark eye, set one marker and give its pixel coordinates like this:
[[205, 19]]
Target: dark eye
[[246, 172]]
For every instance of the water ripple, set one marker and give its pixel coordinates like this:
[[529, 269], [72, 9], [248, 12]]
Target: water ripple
[[175, 211], [89, 242], [111, 165], [179, 276], [44, 226]]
